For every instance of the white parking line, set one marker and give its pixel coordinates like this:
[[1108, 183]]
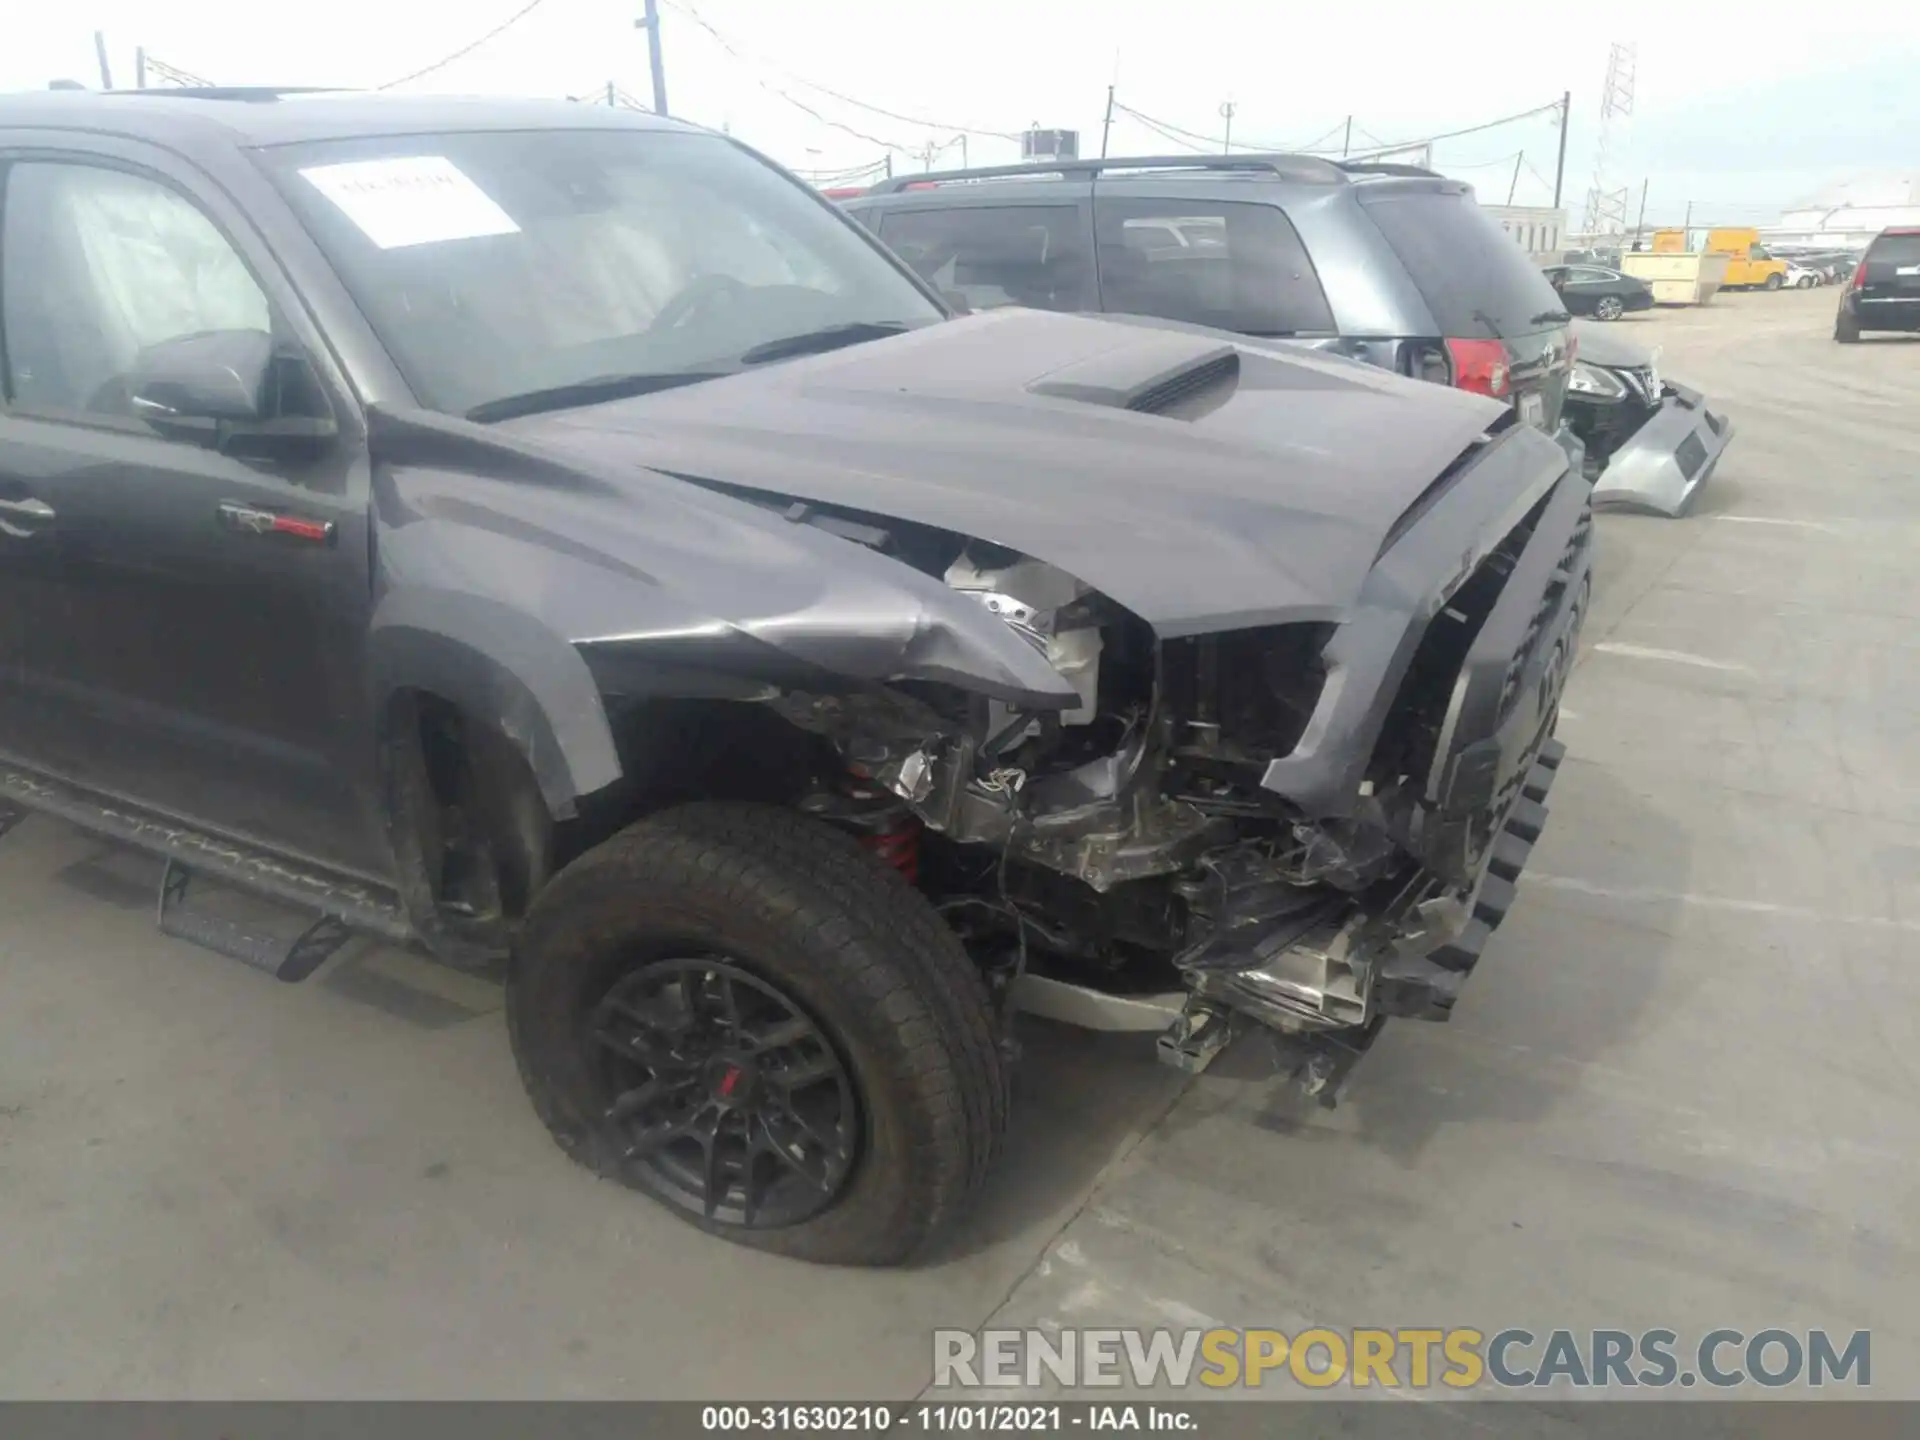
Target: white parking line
[[1715, 902], [1677, 657], [1778, 520]]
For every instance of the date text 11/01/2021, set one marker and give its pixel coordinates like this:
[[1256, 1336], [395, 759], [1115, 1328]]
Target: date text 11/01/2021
[[1041, 1419]]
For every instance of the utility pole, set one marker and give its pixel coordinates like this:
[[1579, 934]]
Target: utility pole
[[140, 67], [611, 102], [888, 157], [1686, 227], [1226, 113], [1346, 141], [1560, 166], [964, 165], [1640, 225], [651, 24], [1106, 125], [100, 51], [1514, 185]]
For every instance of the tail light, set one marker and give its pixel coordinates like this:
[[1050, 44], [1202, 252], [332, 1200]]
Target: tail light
[[1479, 366], [1860, 276]]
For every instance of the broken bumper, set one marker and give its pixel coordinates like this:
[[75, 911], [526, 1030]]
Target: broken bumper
[[1662, 466], [1328, 978], [1405, 981]]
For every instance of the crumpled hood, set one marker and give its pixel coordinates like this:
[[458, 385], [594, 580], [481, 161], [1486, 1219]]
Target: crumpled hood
[[1600, 345], [1260, 498]]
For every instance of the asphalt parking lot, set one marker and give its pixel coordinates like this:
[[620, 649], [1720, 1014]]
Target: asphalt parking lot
[[1680, 1091]]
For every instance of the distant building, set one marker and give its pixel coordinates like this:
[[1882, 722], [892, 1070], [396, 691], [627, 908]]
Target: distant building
[[1038, 144], [1846, 216], [1540, 230]]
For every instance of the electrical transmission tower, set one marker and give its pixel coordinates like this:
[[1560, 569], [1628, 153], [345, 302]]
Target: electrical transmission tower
[[1607, 207]]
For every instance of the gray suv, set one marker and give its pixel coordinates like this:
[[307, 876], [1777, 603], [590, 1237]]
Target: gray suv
[[1389, 264]]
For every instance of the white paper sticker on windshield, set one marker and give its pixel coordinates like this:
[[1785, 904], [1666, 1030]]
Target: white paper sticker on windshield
[[411, 200]]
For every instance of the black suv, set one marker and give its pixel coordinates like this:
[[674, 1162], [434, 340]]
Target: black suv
[[1885, 293], [555, 537], [1390, 264]]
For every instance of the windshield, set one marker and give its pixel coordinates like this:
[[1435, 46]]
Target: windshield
[[496, 264]]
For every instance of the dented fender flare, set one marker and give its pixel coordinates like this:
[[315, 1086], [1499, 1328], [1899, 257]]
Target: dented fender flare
[[502, 667]]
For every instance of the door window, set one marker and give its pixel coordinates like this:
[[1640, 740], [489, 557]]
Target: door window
[[97, 265], [1232, 264], [996, 255]]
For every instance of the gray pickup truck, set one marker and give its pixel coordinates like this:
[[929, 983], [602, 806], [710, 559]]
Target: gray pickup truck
[[555, 538]]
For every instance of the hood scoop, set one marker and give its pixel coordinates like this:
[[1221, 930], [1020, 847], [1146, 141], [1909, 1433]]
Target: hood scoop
[[1154, 375]]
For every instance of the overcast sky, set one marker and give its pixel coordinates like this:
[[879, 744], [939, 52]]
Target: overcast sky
[[1740, 116]]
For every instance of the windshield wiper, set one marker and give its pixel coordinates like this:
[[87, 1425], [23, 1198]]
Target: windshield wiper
[[585, 392], [1487, 320], [1549, 317], [813, 342]]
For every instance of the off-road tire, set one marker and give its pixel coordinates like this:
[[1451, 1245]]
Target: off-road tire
[[1609, 307], [804, 907]]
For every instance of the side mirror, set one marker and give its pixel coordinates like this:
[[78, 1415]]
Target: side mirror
[[220, 387]]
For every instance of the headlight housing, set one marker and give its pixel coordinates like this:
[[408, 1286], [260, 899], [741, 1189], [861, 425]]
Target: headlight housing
[[1590, 379]]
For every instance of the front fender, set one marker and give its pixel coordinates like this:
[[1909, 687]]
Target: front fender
[[503, 667]]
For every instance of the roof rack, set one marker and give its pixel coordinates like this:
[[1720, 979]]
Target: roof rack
[[253, 93], [1286, 167]]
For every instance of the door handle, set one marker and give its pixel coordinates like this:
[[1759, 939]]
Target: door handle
[[34, 513]]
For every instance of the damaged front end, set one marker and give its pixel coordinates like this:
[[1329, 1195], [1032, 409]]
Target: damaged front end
[[1312, 826], [1650, 444]]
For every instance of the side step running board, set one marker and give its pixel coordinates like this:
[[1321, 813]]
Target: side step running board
[[344, 904], [291, 962]]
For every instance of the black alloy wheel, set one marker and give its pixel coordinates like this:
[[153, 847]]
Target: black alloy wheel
[[740, 1011], [734, 1105]]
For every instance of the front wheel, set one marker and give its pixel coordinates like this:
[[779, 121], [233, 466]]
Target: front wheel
[[1610, 307], [1774, 282], [739, 1011]]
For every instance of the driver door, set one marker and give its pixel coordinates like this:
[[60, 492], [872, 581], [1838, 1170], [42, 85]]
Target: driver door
[[172, 651]]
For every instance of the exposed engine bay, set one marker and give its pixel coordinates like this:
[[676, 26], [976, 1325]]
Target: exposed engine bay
[[1133, 843], [1168, 741]]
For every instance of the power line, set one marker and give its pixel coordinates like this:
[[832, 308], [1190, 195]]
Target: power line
[[1168, 129], [175, 75], [1503, 161], [1193, 139], [1476, 129], [802, 105], [469, 48], [1321, 140], [746, 59], [1162, 132]]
